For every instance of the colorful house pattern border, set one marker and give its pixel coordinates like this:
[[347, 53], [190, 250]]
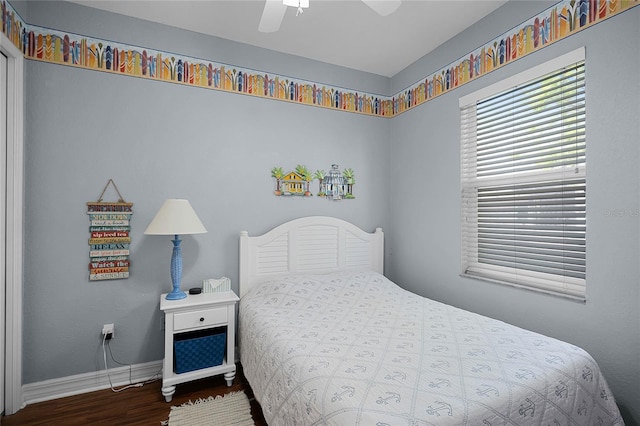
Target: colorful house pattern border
[[562, 20]]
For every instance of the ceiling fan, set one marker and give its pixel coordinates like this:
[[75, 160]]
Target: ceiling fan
[[274, 11]]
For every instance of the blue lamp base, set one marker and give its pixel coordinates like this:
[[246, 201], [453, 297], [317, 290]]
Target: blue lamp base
[[176, 271], [176, 295]]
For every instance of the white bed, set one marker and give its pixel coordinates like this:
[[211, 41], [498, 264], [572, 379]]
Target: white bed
[[325, 338]]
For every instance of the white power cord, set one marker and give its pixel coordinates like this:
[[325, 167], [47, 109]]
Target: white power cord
[[106, 367]]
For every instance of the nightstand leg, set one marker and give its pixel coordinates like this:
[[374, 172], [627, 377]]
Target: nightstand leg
[[229, 377], [168, 393]]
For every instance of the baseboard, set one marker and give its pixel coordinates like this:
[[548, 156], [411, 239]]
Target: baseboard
[[89, 382]]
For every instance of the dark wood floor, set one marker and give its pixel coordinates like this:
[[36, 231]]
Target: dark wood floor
[[136, 406]]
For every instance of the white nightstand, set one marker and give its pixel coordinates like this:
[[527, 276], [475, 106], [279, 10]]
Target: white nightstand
[[198, 312]]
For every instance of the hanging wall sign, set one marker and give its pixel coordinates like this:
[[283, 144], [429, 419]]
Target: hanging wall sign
[[109, 237]]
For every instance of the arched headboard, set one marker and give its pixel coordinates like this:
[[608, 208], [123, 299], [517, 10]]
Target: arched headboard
[[315, 244]]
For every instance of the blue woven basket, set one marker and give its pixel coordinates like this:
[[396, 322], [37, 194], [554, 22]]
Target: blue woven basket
[[200, 349]]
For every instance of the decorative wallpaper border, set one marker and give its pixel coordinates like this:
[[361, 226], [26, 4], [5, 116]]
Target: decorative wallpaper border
[[565, 18]]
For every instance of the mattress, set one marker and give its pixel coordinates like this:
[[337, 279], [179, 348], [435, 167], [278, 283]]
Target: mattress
[[353, 348]]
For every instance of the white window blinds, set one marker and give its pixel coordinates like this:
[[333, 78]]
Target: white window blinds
[[523, 178]]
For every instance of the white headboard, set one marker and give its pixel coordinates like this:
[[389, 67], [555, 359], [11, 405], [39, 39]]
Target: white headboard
[[315, 244]]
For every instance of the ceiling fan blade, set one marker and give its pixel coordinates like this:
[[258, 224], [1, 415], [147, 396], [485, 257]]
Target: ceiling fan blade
[[272, 16], [383, 7]]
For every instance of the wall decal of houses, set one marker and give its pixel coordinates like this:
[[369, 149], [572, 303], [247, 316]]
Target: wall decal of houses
[[336, 185], [295, 182]]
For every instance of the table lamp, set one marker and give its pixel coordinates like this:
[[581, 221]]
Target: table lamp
[[176, 217]]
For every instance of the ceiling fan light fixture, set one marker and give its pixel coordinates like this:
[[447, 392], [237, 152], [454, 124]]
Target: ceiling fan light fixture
[[300, 4], [274, 11], [296, 3]]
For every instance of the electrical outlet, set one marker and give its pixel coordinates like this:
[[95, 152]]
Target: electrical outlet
[[108, 331]]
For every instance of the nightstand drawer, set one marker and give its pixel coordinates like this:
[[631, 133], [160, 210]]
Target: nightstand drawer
[[203, 318]]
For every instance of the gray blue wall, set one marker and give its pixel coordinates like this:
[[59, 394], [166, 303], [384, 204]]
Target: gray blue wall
[[156, 141], [425, 220], [159, 140]]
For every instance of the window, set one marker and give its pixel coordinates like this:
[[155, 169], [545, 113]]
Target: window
[[523, 179]]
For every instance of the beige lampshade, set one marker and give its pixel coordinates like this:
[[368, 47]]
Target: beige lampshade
[[175, 217]]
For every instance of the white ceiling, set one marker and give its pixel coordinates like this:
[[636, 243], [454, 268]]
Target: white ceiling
[[340, 32]]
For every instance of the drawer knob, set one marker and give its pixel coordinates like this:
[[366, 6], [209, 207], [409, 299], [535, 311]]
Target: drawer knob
[[201, 319]]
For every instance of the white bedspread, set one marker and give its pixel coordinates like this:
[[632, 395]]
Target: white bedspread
[[353, 348]]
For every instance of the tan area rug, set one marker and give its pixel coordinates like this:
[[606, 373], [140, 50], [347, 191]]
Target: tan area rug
[[232, 409]]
